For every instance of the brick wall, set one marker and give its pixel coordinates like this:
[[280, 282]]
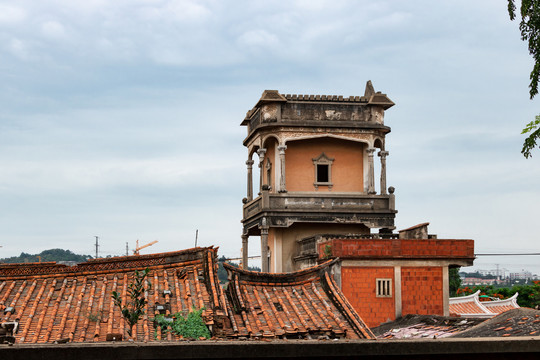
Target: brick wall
[[399, 248], [358, 285], [421, 290]]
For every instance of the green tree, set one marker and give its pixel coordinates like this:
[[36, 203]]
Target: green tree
[[530, 32], [454, 281], [134, 307]]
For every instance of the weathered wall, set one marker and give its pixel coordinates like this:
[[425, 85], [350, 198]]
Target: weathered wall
[[358, 284], [270, 146], [347, 168], [421, 289], [286, 238]]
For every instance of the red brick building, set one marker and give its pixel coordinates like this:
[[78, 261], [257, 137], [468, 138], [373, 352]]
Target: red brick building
[[384, 279]]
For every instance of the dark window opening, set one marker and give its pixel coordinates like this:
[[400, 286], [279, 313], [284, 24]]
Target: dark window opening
[[322, 173]]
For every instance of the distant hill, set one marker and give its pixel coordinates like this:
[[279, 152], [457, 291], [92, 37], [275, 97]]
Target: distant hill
[[47, 255]]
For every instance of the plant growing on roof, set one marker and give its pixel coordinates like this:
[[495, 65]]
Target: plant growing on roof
[[327, 251], [191, 326], [133, 309]]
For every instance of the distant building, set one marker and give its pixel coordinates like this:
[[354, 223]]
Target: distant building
[[478, 281], [521, 275]]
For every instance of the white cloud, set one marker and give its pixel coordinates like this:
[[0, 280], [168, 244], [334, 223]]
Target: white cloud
[[19, 49], [53, 30], [10, 14]]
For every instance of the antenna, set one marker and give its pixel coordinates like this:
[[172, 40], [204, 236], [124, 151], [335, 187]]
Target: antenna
[[196, 236], [97, 245], [127, 249]]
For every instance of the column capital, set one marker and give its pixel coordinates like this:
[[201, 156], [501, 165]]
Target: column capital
[[250, 163], [370, 151], [261, 152], [282, 148], [383, 153]]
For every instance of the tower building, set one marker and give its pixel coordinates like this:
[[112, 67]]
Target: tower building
[[316, 156]]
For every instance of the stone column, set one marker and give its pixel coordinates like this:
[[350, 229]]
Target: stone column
[[245, 251], [261, 153], [445, 291], [249, 164], [398, 304], [282, 187], [371, 172], [264, 246], [383, 155]]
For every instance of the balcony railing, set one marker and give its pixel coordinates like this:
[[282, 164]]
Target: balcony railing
[[317, 202]]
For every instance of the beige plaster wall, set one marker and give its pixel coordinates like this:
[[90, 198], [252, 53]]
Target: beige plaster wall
[[347, 168]]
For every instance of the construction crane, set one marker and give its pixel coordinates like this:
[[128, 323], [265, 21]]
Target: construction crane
[[137, 247]]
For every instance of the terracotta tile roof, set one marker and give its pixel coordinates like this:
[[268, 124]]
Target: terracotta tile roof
[[304, 304], [56, 302], [424, 326], [515, 322], [471, 306]]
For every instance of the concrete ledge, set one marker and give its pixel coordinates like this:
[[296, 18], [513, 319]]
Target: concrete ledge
[[495, 348]]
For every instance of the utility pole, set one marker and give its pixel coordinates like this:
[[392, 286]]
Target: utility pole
[[97, 245]]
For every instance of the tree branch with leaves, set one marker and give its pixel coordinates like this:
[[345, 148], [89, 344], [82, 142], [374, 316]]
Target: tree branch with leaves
[[530, 32], [133, 309]]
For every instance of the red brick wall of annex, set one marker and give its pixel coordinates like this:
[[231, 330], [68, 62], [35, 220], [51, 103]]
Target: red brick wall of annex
[[399, 248], [358, 285], [422, 290]]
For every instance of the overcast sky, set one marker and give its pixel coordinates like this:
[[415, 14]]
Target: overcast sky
[[121, 118]]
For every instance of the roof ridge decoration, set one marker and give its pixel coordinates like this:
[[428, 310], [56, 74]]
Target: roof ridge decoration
[[484, 308], [280, 278], [122, 263]]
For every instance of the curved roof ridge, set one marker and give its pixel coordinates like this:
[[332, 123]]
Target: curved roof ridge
[[466, 298], [121, 263], [258, 276], [502, 302]]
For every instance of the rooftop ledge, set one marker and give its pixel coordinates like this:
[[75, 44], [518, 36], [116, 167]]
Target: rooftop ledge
[[471, 348]]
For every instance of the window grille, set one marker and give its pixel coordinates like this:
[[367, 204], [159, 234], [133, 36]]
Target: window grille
[[384, 287]]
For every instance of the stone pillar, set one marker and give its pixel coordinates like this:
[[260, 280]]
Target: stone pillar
[[383, 155], [245, 251], [264, 246], [282, 187], [371, 172], [261, 153], [249, 164], [398, 302], [445, 291]]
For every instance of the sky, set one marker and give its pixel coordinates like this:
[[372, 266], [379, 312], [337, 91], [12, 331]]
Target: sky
[[121, 119]]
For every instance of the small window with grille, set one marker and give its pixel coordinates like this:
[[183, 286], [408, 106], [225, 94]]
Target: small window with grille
[[384, 287], [323, 171]]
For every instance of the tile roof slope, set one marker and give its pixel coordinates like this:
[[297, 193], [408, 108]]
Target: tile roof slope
[[471, 306], [413, 326], [56, 302], [515, 322], [304, 304], [500, 306]]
